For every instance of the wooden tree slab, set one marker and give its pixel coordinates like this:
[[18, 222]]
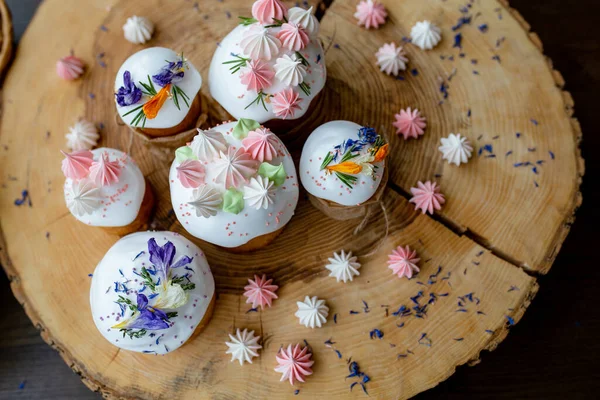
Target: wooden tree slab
[[496, 220]]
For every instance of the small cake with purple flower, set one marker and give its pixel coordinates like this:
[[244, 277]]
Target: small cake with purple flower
[[152, 292], [343, 169], [157, 92], [234, 185], [105, 188], [271, 67]]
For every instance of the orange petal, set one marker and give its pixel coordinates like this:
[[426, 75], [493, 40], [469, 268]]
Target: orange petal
[[382, 153], [347, 167], [153, 106]]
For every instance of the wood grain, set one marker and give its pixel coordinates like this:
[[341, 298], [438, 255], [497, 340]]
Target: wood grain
[[62, 264]]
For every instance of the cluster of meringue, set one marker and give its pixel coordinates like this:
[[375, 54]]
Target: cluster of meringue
[[244, 173], [89, 177], [271, 49]]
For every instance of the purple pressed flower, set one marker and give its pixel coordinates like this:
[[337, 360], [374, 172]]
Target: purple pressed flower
[[150, 318], [170, 73], [367, 134], [162, 258], [128, 94]]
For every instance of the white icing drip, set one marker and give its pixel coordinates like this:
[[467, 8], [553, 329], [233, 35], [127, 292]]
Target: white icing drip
[[425, 35], [82, 136], [138, 30], [289, 71], [132, 252], [121, 201], [260, 193], [228, 91], [232, 230], [85, 198], [343, 267], [243, 346], [456, 149], [149, 62], [328, 186], [206, 201], [312, 312], [208, 144], [259, 43], [304, 18]]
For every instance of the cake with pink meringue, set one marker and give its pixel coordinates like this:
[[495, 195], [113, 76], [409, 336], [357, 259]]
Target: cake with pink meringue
[[234, 185], [271, 67], [105, 188]]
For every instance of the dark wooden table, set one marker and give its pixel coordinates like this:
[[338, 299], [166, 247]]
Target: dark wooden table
[[553, 353]]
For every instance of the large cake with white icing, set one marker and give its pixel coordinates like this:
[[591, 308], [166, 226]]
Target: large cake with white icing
[[157, 91], [151, 292], [271, 66], [105, 187], [343, 163], [234, 185]]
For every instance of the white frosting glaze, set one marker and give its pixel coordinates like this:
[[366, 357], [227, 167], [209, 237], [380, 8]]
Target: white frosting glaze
[[312, 312], [121, 266], [227, 89], [328, 186], [149, 62], [233, 230], [120, 202], [138, 30]]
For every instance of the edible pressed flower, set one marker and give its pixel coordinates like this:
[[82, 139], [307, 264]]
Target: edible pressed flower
[[347, 167], [153, 106], [162, 258], [173, 72], [149, 318], [382, 153], [129, 93]]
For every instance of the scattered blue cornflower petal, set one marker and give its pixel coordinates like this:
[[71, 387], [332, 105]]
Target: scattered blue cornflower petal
[[483, 28], [458, 40]]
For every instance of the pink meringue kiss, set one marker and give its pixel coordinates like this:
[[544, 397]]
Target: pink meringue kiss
[[403, 262], [105, 172], [260, 144], [427, 197], [260, 292], [191, 174], [267, 11], [293, 36], [257, 75], [294, 363], [370, 14], [409, 123], [69, 68], [285, 103], [76, 165]]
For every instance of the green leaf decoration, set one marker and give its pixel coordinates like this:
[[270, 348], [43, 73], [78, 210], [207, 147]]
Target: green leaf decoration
[[233, 201], [275, 173], [244, 126], [184, 153]]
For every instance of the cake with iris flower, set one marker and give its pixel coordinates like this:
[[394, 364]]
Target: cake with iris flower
[[152, 292], [271, 67], [234, 185], [104, 187], [343, 168], [157, 91]]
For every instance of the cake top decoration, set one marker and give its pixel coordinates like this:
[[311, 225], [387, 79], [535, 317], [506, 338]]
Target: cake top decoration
[[85, 198], [456, 149], [370, 14], [70, 68], [343, 266], [76, 165], [243, 346], [151, 291], [427, 197], [260, 292], [410, 124], [155, 88], [260, 61], [105, 172], [391, 59], [312, 312], [191, 173], [403, 262], [425, 35], [82, 136], [294, 363], [138, 30]]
